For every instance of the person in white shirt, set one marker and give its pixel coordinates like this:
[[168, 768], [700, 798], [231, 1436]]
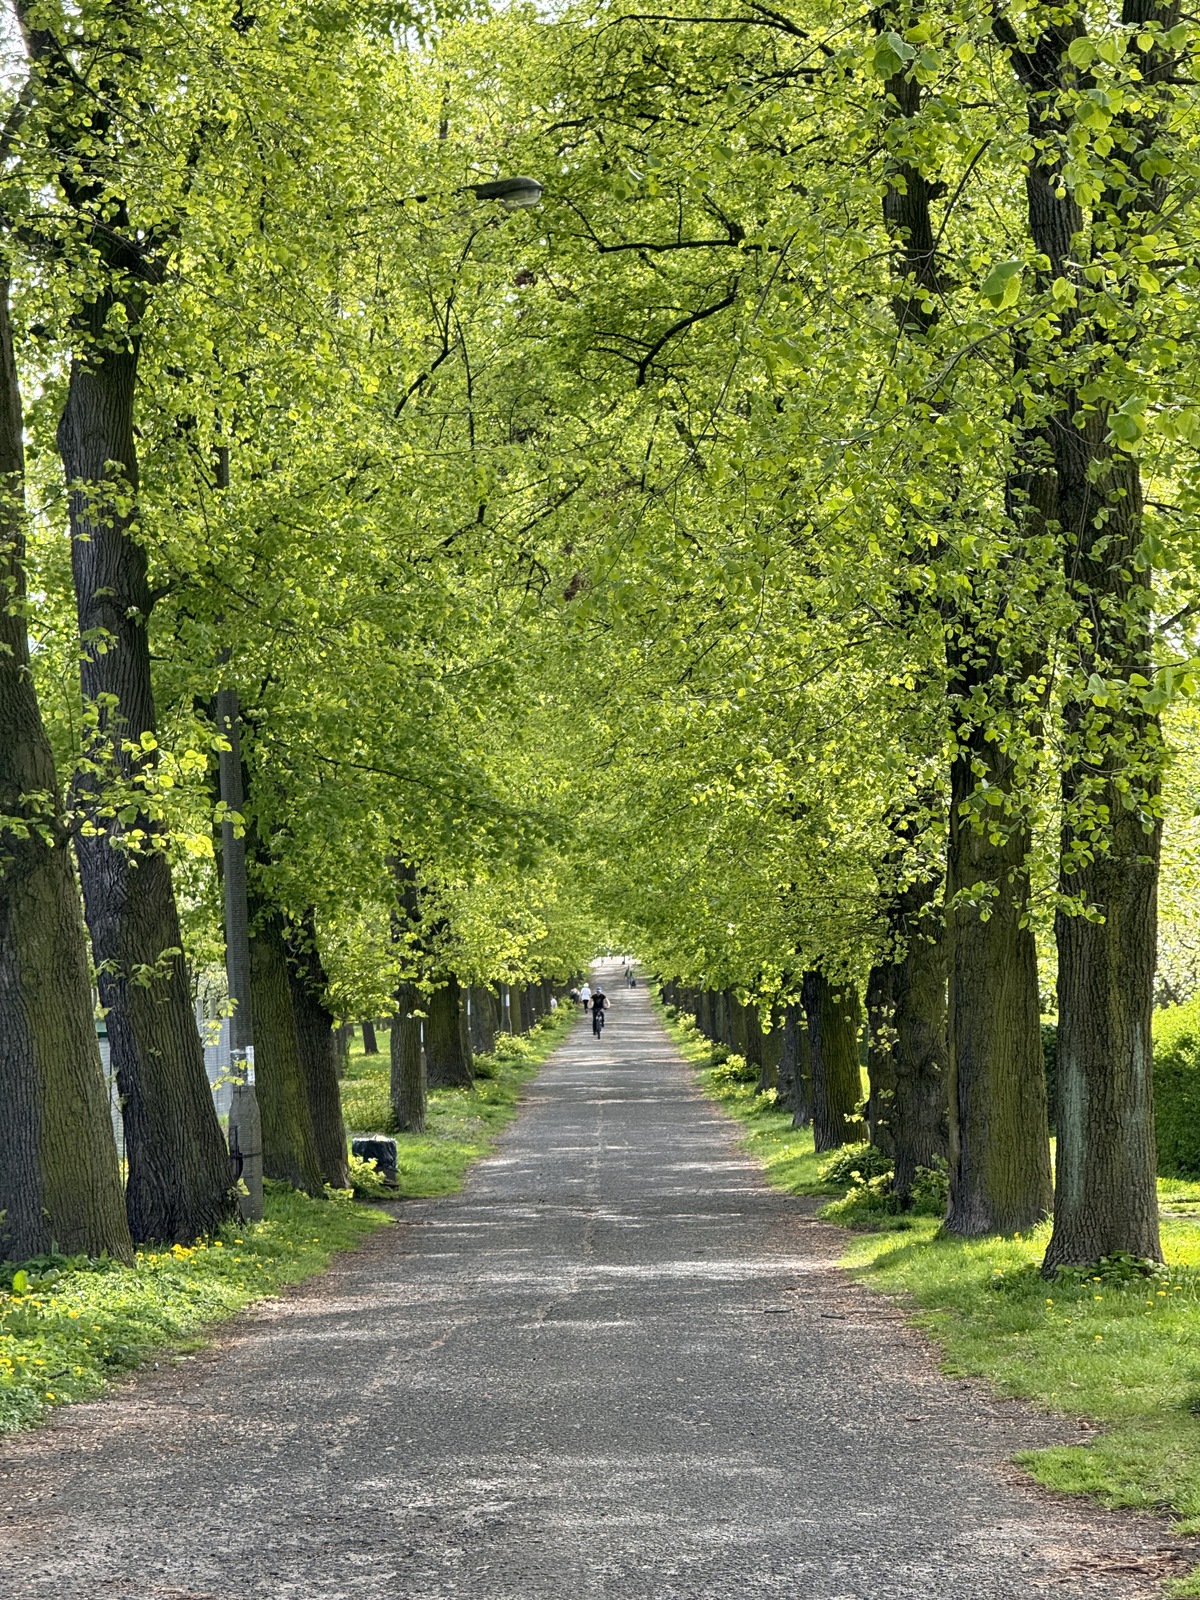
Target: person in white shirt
[[585, 994]]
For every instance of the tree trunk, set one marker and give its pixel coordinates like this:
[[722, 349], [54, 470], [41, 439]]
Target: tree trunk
[[370, 1042], [409, 1079], [1105, 1197], [409, 1084], [836, 1077], [881, 1054], [179, 1185], [483, 1020], [316, 1038], [516, 1011], [919, 1108], [796, 1027], [771, 1047], [999, 1151], [59, 1183], [289, 1143], [448, 1064]]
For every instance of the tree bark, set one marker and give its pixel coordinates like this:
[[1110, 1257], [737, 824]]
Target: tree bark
[[448, 1064], [836, 1077], [1105, 1197], [796, 1026], [483, 1020], [289, 1143], [881, 1054], [409, 1079], [178, 1184], [999, 1150], [59, 1183], [409, 1082], [518, 1021], [317, 1042], [919, 1124], [370, 1042]]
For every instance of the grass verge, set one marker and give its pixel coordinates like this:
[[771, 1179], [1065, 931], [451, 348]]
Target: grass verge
[[461, 1124], [68, 1325], [1115, 1348]]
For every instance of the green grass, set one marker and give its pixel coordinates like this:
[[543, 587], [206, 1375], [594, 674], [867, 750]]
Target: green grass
[[77, 1324], [461, 1124], [69, 1326], [1122, 1351]]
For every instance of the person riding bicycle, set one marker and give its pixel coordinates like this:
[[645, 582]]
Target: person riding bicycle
[[599, 1006]]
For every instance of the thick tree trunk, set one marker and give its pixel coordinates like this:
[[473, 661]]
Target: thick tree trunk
[[59, 1183], [316, 1038], [370, 1042], [483, 1020], [409, 1085], [881, 1054], [448, 1064], [289, 1144], [836, 1077], [1105, 1188], [795, 1028], [518, 1021], [919, 1123], [999, 1150], [409, 1078], [179, 1178]]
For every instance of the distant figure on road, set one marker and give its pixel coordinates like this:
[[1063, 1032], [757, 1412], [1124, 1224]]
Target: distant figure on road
[[573, 995], [599, 1006], [585, 994], [630, 980]]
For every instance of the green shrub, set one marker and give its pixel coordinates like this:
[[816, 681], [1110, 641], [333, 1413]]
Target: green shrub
[[730, 1069], [1177, 1089], [855, 1161], [366, 1180]]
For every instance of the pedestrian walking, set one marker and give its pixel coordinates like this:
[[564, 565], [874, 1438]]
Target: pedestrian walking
[[585, 994]]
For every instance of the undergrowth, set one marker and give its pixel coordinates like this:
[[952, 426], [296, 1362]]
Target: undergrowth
[[68, 1325]]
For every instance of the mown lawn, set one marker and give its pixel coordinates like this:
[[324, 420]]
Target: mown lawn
[[1119, 1349]]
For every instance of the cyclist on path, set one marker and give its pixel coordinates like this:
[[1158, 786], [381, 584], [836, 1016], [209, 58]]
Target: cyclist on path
[[599, 1006]]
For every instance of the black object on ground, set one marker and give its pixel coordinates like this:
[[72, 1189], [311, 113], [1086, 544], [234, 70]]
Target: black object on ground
[[379, 1150]]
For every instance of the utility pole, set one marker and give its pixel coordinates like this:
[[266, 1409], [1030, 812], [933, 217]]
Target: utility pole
[[245, 1123]]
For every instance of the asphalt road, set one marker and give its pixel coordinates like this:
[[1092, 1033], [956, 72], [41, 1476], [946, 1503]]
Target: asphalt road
[[617, 1367]]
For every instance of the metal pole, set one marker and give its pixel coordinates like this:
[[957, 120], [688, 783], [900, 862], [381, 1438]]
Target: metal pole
[[245, 1123]]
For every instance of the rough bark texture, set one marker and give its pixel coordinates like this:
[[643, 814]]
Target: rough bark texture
[[447, 1062], [1105, 1196], [59, 1183], [920, 1113], [881, 1054], [796, 1026], [409, 1084], [317, 1042], [999, 1151], [483, 1020], [833, 1044], [289, 1144]]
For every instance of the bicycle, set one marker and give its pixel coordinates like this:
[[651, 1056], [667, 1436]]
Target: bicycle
[[597, 1020]]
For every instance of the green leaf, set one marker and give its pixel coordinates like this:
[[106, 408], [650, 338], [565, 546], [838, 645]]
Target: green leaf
[[1002, 285]]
